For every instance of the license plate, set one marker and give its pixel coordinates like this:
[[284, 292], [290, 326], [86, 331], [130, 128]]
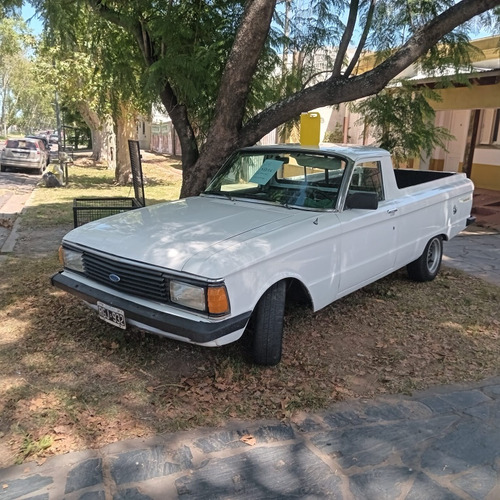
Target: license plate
[[111, 315], [20, 155]]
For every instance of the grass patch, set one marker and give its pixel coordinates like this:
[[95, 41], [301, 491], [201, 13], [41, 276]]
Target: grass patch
[[53, 207], [32, 448]]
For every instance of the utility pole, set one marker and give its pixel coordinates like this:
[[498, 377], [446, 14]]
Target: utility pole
[[58, 115]]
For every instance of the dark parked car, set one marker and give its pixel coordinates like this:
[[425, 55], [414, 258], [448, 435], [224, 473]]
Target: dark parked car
[[43, 138], [26, 153]]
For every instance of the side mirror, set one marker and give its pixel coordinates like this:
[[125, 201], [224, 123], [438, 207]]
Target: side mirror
[[365, 201]]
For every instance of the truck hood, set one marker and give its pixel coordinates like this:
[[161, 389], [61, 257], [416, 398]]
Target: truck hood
[[168, 235]]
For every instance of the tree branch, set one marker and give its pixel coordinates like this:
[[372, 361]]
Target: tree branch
[[136, 28], [241, 65], [338, 90], [362, 40], [346, 38]]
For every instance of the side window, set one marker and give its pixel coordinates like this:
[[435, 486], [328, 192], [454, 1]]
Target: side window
[[367, 177]]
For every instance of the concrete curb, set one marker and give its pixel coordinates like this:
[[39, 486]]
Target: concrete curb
[[10, 242]]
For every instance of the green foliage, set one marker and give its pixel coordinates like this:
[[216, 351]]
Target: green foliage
[[91, 60], [10, 8], [34, 97], [24, 100], [195, 39], [30, 446], [336, 135], [403, 121]]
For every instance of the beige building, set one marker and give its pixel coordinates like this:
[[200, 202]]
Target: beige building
[[470, 112]]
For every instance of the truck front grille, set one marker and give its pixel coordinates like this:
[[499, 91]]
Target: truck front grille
[[126, 277]]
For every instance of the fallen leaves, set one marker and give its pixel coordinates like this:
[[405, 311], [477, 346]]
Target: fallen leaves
[[85, 384], [6, 223], [248, 439]]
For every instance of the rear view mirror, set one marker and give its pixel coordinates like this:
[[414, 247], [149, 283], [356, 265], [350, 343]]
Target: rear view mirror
[[365, 201]]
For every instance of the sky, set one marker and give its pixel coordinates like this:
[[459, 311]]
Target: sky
[[28, 13]]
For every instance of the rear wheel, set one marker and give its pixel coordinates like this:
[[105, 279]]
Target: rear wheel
[[267, 326], [427, 266]]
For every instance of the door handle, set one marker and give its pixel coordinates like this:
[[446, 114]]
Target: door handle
[[392, 211]]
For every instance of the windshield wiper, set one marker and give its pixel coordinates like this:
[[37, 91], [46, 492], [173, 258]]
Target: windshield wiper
[[218, 193]]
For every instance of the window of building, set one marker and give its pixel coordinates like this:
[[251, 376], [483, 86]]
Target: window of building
[[489, 127]]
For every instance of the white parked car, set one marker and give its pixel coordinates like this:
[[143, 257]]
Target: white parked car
[[27, 153], [276, 222]]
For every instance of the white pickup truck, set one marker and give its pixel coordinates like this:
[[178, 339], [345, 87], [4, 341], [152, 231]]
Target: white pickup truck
[[276, 223]]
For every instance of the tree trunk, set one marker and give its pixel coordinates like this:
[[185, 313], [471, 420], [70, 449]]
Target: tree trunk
[[224, 134], [185, 132], [103, 135], [125, 129], [470, 146]]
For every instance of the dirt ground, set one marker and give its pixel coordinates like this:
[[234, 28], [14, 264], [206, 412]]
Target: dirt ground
[[69, 381]]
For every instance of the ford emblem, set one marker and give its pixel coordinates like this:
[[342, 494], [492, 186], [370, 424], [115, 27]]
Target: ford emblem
[[114, 278]]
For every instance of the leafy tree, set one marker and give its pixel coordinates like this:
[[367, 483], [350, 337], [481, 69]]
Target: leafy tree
[[403, 121], [33, 97], [213, 64], [97, 72], [10, 8], [11, 50], [24, 100], [77, 83]]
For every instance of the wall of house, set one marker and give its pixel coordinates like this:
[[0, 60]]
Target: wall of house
[[164, 139], [144, 133], [474, 97], [454, 113], [486, 168]]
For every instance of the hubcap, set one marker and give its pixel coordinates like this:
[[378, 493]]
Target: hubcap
[[433, 255]]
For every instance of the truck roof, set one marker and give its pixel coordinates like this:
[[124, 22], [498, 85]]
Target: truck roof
[[351, 151]]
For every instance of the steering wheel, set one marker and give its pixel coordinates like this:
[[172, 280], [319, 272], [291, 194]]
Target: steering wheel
[[317, 195]]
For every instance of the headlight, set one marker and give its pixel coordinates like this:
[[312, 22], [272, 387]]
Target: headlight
[[71, 259], [212, 299], [188, 295]]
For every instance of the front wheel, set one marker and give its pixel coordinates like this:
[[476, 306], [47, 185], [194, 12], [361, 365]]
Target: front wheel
[[267, 326], [426, 267]]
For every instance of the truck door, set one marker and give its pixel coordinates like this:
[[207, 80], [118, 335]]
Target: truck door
[[368, 241]]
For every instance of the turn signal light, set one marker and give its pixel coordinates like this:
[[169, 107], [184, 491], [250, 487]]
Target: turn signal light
[[217, 300]]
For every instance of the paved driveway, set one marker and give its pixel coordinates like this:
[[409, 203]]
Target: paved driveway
[[475, 251], [15, 189]]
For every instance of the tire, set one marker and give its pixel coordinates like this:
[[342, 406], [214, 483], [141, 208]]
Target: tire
[[267, 326], [427, 266]]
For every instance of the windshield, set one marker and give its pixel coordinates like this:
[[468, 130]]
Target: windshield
[[293, 179]]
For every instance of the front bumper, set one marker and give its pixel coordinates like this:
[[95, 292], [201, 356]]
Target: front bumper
[[189, 330]]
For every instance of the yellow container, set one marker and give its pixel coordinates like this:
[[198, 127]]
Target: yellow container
[[310, 124]]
